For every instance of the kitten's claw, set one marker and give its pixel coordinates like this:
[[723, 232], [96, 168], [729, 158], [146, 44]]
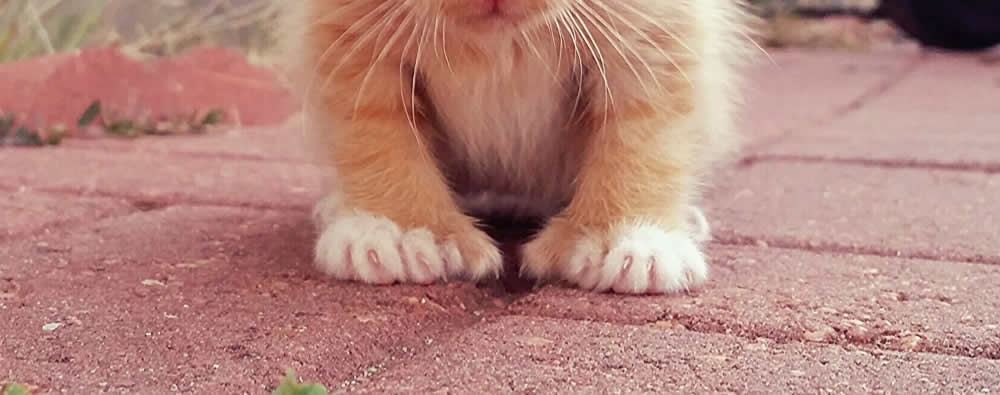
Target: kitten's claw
[[634, 259], [362, 247], [643, 259], [375, 250]]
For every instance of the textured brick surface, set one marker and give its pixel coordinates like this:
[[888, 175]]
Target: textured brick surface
[[856, 252], [203, 300], [908, 212], [788, 295], [160, 179], [271, 143], [943, 112], [25, 211], [946, 83], [914, 137], [532, 355], [59, 89], [829, 81]]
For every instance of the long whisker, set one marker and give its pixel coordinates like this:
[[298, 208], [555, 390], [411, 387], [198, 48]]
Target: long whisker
[[413, 82], [653, 22], [645, 36], [759, 47], [577, 67], [591, 43], [606, 30], [365, 40], [385, 52], [410, 116], [361, 22], [554, 29], [364, 20], [434, 35], [595, 52], [444, 46], [529, 42], [550, 29]]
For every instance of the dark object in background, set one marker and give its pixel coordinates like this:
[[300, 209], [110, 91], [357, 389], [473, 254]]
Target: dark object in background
[[962, 25]]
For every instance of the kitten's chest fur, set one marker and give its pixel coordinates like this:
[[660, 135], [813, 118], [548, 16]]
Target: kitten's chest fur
[[504, 135]]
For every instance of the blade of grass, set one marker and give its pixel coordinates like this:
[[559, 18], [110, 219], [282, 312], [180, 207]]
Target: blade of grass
[[90, 114], [14, 389], [40, 30], [87, 22]]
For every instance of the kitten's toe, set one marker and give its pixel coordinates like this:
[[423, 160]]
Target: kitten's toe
[[423, 259], [641, 259], [374, 250], [586, 262], [358, 246], [475, 254], [361, 247]]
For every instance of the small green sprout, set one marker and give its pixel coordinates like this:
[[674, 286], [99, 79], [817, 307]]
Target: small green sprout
[[26, 137], [165, 125], [6, 125], [15, 389], [12, 133], [213, 117], [121, 128], [90, 114], [291, 386], [55, 134]]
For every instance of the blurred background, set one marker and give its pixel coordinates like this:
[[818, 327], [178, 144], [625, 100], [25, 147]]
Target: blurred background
[[37, 35], [147, 27], [164, 27]]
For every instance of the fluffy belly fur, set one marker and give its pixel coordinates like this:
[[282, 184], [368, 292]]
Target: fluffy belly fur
[[503, 133]]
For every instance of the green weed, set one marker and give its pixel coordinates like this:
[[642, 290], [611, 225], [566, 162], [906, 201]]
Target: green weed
[[16, 134], [13, 133], [15, 389], [117, 125], [290, 385]]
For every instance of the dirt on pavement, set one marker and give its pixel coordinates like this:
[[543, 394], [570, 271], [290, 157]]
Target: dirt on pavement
[[856, 251]]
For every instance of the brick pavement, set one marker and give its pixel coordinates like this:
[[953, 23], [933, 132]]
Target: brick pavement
[[857, 251]]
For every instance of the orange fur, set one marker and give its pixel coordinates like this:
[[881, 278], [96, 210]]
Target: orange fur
[[604, 115]]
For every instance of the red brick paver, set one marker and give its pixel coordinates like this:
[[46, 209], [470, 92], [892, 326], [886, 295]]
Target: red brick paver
[[914, 138], [26, 211], [203, 299], [857, 251], [161, 179], [518, 354], [944, 114], [58, 89], [926, 213], [790, 295]]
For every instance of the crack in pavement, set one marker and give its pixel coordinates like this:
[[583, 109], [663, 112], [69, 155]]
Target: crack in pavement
[[855, 104], [839, 335], [735, 239], [975, 167], [887, 340], [235, 156], [62, 224], [142, 200], [404, 352], [140, 205]]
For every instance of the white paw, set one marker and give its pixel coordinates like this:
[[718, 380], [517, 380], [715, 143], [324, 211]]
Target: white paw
[[639, 259], [362, 247]]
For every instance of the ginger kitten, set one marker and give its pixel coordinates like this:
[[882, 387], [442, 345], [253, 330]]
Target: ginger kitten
[[602, 116]]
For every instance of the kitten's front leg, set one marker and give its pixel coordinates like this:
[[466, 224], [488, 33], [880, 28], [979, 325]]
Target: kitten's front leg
[[390, 216], [627, 228]]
